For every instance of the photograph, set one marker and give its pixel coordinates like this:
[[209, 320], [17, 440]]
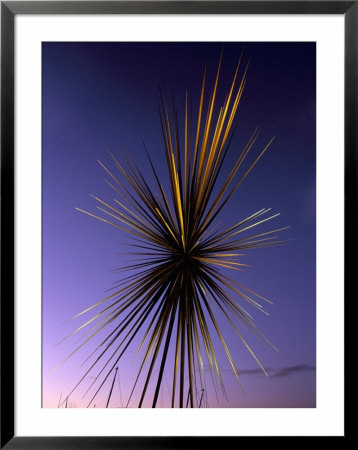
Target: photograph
[[178, 224]]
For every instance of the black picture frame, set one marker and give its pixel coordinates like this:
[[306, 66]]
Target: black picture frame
[[9, 9]]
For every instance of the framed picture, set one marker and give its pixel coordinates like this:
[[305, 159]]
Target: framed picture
[[175, 182]]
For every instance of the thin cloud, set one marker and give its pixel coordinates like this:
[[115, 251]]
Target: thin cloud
[[272, 373], [290, 370]]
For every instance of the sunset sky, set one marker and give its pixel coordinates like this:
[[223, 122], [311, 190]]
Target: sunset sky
[[98, 95]]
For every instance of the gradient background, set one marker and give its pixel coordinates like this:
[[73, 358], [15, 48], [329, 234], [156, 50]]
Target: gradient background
[[106, 94]]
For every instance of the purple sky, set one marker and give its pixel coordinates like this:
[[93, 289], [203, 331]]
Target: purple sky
[[107, 94]]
